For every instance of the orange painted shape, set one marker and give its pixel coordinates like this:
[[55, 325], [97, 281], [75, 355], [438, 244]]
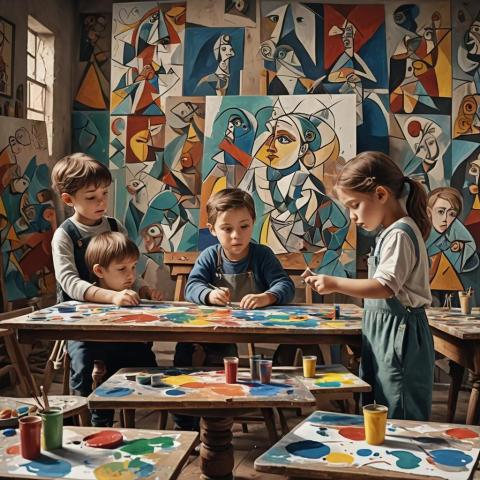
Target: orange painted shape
[[461, 433]]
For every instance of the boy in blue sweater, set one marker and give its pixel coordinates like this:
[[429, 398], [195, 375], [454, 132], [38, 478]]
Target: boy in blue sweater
[[236, 270]]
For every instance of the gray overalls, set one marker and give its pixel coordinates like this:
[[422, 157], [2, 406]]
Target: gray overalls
[[397, 351]]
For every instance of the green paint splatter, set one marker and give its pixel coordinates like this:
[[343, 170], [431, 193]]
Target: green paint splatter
[[117, 455], [142, 446], [406, 460]]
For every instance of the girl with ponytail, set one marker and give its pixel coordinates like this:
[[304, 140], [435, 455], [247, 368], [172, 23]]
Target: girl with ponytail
[[397, 346]]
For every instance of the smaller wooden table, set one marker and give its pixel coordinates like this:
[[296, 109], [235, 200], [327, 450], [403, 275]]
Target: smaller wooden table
[[332, 445], [143, 454], [203, 392]]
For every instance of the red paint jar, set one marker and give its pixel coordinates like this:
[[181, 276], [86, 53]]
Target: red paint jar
[[30, 428], [231, 369]]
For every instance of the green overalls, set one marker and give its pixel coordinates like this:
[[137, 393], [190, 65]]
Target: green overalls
[[397, 351]]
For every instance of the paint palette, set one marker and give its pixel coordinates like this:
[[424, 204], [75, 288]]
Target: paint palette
[[141, 454], [334, 446], [186, 388], [182, 313]]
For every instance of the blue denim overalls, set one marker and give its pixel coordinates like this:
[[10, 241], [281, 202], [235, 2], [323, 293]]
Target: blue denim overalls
[[397, 350]]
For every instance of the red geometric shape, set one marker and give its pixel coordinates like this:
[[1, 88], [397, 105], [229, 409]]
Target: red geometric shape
[[104, 439]]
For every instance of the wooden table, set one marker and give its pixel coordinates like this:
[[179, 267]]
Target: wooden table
[[457, 336], [333, 446], [147, 454], [202, 392]]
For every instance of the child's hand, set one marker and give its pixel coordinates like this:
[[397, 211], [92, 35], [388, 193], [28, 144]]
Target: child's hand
[[257, 300], [323, 284], [126, 298], [219, 296]]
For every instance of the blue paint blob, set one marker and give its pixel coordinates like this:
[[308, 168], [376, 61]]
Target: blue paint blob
[[376, 454], [22, 410], [450, 458], [113, 392], [49, 467], [175, 392], [328, 384], [323, 432], [406, 460], [264, 390], [9, 432], [308, 449], [334, 419], [364, 452], [67, 309]]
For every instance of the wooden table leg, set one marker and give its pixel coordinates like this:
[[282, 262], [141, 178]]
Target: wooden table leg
[[270, 424], [456, 374], [472, 411], [129, 418], [216, 449], [15, 352]]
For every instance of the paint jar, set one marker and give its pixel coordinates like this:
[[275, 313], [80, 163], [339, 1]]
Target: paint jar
[[30, 428], [309, 366], [231, 369], [265, 368], [52, 431], [465, 302], [143, 378], [336, 312], [375, 418], [254, 367]]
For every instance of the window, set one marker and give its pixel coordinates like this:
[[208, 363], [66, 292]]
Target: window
[[40, 75]]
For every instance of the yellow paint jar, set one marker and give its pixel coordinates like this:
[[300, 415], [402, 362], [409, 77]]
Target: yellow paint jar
[[309, 366], [375, 418]]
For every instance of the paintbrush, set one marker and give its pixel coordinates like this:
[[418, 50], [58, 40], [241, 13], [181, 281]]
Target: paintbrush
[[225, 289], [45, 398], [37, 400], [310, 274]]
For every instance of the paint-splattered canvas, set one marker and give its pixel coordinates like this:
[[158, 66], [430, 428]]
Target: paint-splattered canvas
[[284, 151], [241, 12], [334, 445], [214, 62], [199, 387], [27, 211], [178, 314], [93, 73], [147, 56], [419, 40], [91, 134], [138, 454]]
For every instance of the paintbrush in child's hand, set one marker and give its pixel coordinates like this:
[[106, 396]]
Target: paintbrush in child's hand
[[225, 289], [307, 273]]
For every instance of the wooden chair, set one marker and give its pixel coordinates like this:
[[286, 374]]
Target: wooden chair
[[16, 371]]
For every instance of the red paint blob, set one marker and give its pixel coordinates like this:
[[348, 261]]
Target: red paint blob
[[353, 433], [461, 433], [104, 439], [14, 449], [136, 318], [414, 128]]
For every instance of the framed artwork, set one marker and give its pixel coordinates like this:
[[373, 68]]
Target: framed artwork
[[7, 34]]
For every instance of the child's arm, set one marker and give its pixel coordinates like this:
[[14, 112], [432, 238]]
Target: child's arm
[[361, 288], [280, 287], [102, 295], [150, 293], [203, 273]]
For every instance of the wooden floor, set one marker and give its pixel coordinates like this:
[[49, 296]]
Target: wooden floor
[[248, 446]]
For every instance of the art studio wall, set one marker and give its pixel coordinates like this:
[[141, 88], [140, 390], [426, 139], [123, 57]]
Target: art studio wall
[[412, 69]]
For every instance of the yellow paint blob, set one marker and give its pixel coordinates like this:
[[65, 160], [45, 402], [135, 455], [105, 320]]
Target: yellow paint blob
[[336, 377], [199, 321], [180, 380], [334, 324], [335, 457]]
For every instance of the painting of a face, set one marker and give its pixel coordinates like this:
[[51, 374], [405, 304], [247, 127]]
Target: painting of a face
[[474, 171], [283, 147], [442, 214], [152, 238], [428, 148]]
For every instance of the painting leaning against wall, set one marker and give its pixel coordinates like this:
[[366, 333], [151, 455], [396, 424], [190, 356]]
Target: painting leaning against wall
[[27, 212], [284, 150]]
